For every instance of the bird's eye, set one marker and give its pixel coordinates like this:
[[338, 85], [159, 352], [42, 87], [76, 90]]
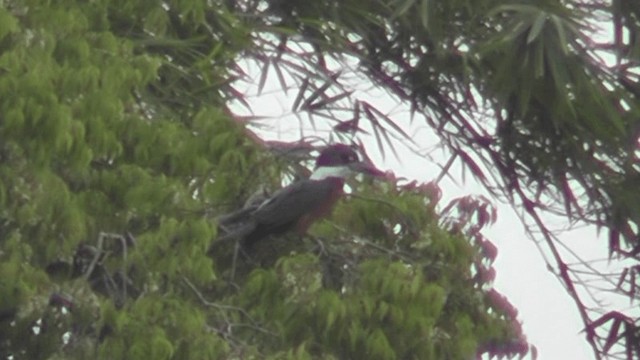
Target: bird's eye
[[350, 158], [346, 157]]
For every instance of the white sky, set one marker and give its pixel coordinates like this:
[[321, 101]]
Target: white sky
[[550, 318]]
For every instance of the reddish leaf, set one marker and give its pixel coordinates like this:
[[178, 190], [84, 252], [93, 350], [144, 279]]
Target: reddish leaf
[[614, 241], [239, 96], [433, 191], [315, 95], [534, 352], [632, 281], [489, 250], [324, 102], [350, 127], [477, 171], [622, 278], [280, 75], [263, 76], [300, 96]]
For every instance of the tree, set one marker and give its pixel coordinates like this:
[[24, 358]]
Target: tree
[[118, 155], [523, 94]]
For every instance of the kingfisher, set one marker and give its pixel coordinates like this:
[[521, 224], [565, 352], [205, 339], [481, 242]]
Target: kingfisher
[[297, 206]]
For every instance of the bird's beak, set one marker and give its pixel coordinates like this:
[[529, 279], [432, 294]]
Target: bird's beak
[[366, 168]]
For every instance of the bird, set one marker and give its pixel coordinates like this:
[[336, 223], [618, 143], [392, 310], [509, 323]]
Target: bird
[[297, 206]]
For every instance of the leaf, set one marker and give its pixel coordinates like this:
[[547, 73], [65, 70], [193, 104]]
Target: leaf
[[538, 56], [300, 96], [518, 8], [393, 125], [378, 344], [324, 102], [280, 75], [239, 96], [537, 27], [614, 241], [425, 13], [8, 23], [382, 310], [562, 35], [330, 320], [355, 335], [559, 76], [316, 94], [477, 171], [403, 8], [367, 306], [263, 76], [161, 348]]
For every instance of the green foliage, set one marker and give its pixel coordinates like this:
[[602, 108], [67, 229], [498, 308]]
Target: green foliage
[[116, 155], [160, 327], [420, 299], [87, 148]]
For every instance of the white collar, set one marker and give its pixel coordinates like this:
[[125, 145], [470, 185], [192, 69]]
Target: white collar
[[324, 172]]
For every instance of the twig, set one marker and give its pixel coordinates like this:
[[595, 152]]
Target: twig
[[96, 257], [223, 308]]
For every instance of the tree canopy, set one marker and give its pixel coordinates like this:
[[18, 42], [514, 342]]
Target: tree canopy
[[119, 152], [118, 155]]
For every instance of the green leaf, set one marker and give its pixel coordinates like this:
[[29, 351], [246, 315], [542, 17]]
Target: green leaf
[[8, 23], [425, 13], [378, 346], [537, 27], [403, 8]]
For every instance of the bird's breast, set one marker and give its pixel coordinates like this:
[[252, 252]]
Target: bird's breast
[[325, 208]]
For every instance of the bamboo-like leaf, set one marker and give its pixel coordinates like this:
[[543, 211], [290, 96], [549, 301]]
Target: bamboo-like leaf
[[621, 279], [538, 52], [403, 8], [536, 27], [330, 100], [425, 13], [519, 29], [315, 95], [477, 170], [280, 75], [562, 34], [239, 96], [559, 77], [517, 8], [263, 75], [380, 115], [301, 90], [392, 123]]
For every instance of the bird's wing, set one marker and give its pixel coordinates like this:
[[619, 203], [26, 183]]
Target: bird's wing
[[290, 203]]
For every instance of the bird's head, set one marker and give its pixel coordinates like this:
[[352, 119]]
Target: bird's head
[[341, 160]]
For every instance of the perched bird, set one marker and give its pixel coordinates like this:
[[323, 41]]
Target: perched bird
[[297, 206]]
